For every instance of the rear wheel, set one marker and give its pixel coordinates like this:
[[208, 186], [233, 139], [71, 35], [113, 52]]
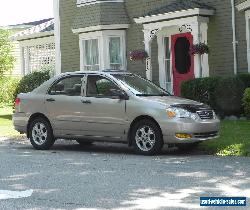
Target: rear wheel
[[41, 134], [147, 137]]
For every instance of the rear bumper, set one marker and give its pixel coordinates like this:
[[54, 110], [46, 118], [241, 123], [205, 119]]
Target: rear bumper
[[20, 122], [198, 131]]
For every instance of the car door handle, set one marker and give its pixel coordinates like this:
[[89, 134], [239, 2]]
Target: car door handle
[[86, 101], [50, 100]]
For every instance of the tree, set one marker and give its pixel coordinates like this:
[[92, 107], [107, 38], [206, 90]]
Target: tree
[[6, 58]]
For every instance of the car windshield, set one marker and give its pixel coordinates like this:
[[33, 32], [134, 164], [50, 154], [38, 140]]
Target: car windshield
[[140, 86]]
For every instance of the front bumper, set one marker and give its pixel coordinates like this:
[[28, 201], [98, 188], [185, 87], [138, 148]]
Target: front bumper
[[202, 130]]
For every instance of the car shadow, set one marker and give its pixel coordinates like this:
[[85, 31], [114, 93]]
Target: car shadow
[[113, 148]]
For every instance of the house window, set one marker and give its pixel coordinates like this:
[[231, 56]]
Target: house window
[[103, 50], [115, 53], [91, 55]]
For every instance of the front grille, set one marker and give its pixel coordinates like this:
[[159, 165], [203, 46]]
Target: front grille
[[206, 135], [206, 114]]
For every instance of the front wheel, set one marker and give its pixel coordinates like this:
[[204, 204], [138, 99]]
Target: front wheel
[[41, 134], [147, 137]]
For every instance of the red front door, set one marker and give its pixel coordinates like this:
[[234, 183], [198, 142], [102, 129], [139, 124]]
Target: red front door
[[182, 60]]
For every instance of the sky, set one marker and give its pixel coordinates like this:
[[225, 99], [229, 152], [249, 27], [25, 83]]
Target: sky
[[20, 11]]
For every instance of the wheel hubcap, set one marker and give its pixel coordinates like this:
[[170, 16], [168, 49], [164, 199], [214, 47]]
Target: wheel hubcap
[[39, 133], [145, 138]]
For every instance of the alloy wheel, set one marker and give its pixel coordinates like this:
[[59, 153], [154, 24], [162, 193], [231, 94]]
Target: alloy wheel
[[145, 138]]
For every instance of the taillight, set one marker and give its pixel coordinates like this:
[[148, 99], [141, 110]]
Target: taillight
[[17, 101]]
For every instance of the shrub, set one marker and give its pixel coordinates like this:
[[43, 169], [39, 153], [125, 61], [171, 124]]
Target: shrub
[[245, 78], [7, 88], [31, 81], [246, 102], [228, 96], [201, 89], [224, 95]]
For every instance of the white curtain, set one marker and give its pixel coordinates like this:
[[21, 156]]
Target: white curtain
[[115, 51], [91, 54]]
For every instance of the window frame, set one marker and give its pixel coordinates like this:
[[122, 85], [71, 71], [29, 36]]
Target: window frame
[[83, 88], [103, 47], [84, 55], [121, 52]]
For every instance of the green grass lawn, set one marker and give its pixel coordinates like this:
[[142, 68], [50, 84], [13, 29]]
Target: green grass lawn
[[234, 136], [6, 126], [234, 140]]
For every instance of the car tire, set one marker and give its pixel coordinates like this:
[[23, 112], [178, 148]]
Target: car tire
[[147, 137], [187, 146], [84, 142], [41, 134]]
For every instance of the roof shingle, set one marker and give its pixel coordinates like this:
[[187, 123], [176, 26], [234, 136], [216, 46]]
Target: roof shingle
[[179, 5]]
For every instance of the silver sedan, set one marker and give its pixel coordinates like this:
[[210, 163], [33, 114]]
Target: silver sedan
[[114, 107]]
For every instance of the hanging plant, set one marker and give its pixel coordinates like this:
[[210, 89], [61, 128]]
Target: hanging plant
[[137, 55], [199, 49]]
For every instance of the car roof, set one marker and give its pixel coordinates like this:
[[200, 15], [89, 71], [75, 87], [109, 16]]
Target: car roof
[[107, 71]]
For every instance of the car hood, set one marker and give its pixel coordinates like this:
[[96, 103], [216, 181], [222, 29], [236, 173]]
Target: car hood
[[171, 100]]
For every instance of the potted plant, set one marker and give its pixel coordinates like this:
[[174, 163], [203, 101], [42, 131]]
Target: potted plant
[[137, 55]]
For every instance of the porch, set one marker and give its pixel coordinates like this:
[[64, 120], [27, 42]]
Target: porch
[[169, 32]]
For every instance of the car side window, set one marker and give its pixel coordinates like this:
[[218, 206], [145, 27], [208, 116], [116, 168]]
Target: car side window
[[98, 86], [70, 86]]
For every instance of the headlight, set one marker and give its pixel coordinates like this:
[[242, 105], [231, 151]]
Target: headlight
[[173, 112]]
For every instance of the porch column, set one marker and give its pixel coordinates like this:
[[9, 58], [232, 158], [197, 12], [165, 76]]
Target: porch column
[[197, 58], [147, 43], [204, 58], [199, 32]]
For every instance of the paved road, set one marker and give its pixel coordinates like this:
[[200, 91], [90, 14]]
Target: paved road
[[113, 177]]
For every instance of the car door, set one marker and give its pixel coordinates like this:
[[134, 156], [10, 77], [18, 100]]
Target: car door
[[64, 105], [104, 112]]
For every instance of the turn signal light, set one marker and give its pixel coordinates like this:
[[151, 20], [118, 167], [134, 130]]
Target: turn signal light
[[183, 136], [171, 114]]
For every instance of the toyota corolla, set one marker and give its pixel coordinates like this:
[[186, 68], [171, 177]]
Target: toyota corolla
[[111, 106]]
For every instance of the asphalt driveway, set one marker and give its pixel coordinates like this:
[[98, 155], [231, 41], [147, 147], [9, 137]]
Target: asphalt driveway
[[105, 176]]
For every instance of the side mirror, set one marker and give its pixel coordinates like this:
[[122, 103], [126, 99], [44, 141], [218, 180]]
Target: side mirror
[[119, 94]]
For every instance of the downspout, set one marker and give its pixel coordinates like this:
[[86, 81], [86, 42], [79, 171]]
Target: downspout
[[234, 37]]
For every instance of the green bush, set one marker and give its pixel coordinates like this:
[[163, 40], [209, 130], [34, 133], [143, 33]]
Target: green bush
[[228, 96], [7, 88], [224, 95], [201, 89], [245, 78], [246, 102], [31, 81]]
